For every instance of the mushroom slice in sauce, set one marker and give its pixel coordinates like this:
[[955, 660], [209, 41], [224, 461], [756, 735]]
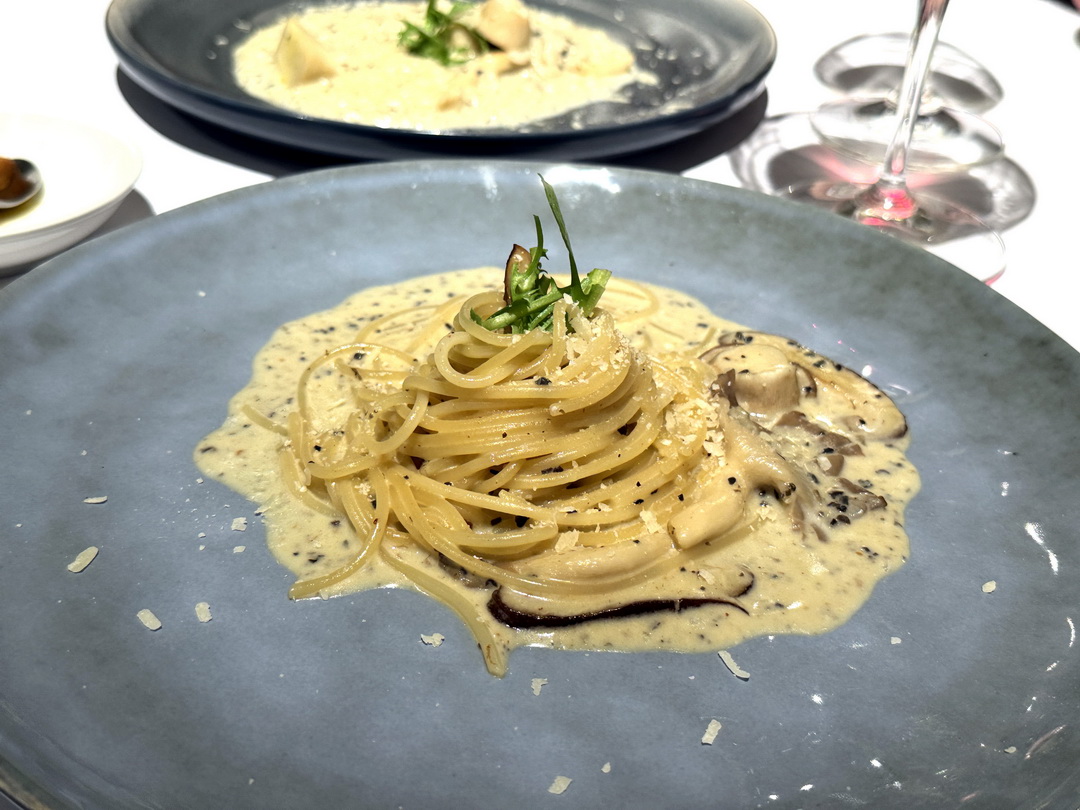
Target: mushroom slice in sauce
[[795, 416], [762, 383]]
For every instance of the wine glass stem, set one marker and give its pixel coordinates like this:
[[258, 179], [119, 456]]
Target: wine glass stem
[[923, 40], [889, 199]]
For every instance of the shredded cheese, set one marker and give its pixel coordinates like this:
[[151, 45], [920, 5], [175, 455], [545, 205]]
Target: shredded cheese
[[84, 558], [709, 737], [736, 670], [559, 786], [149, 620]]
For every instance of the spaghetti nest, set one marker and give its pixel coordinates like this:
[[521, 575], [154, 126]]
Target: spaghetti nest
[[547, 463]]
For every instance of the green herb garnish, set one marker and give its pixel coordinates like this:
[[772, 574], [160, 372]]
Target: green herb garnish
[[531, 293], [435, 37]]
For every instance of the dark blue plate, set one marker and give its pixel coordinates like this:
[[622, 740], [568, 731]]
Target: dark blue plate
[[117, 357], [711, 57]]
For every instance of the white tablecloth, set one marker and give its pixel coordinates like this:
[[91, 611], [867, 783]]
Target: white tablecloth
[[58, 61]]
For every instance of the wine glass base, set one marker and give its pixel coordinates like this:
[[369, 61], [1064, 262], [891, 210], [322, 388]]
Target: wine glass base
[[784, 151], [936, 226], [944, 139]]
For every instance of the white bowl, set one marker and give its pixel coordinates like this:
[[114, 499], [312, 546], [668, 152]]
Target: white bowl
[[86, 174]]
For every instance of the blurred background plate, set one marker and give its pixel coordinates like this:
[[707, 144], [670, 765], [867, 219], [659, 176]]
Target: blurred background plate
[[120, 355], [86, 174], [711, 56]]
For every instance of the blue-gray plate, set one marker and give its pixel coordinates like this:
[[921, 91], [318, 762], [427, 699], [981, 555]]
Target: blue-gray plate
[[711, 58], [119, 355]]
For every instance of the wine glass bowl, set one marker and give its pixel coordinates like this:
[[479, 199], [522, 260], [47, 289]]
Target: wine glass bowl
[[872, 66]]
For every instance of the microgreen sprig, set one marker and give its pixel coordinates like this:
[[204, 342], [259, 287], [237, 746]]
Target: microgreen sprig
[[434, 37], [531, 294]]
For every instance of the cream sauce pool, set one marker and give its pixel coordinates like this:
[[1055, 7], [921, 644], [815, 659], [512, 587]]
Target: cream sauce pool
[[803, 582]]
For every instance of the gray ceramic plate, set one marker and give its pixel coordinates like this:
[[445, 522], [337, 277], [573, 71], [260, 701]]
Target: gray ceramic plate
[[118, 356], [711, 57]]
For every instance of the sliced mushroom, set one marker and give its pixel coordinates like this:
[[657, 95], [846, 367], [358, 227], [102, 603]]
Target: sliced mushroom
[[758, 378], [584, 563], [832, 446], [516, 262], [872, 413], [691, 587], [522, 619], [808, 480]]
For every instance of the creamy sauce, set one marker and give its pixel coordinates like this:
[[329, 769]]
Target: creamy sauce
[[805, 578], [353, 69]]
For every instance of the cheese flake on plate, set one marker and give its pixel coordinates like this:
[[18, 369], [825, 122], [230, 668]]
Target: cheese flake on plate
[[709, 737], [83, 559], [149, 620], [560, 785], [736, 670]]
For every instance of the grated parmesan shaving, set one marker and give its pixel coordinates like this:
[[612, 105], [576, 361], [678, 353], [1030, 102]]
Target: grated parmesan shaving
[[652, 525], [559, 786], [149, 620], [989, 587], [567, 540], [709, 737], [239, 524], [84, 558], [96, 499], [202, 612], [736, 670], [434, 640], [713, 449], [538, 684]]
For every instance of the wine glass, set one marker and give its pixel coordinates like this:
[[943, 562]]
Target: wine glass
[[889, 204], [949, 133]]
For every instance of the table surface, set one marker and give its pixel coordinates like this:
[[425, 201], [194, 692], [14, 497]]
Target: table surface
[[186, 162], [1031, 46]]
